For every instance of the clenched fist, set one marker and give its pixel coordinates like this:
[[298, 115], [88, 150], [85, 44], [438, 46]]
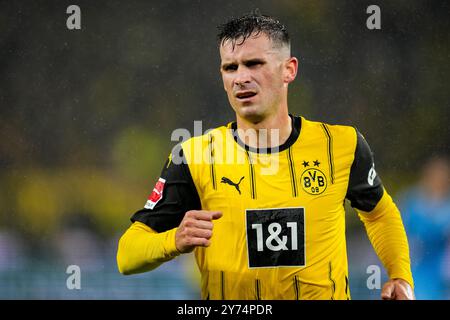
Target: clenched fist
[[397, 289], [195, 230]]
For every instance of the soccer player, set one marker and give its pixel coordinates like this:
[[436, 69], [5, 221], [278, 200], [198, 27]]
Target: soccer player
[[260, 201]]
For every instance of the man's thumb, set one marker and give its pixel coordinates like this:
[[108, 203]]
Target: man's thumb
[[388, 291], [216, 215]]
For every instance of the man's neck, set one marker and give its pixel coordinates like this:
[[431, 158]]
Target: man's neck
[[271, 132]]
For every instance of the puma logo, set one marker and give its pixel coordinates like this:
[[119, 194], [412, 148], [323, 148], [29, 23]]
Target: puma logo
[[231, 183]]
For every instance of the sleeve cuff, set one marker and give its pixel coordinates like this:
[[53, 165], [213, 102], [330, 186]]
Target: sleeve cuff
[[170, 247]]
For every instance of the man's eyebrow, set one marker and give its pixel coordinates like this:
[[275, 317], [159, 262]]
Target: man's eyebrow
[[227, 64], [253, 60]]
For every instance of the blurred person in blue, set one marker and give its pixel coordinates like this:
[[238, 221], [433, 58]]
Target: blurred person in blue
[[426, 214]]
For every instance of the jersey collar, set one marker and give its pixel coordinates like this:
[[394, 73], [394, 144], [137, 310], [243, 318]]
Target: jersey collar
[[296, 127]]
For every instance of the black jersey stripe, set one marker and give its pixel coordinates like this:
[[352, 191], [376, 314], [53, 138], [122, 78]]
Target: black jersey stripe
[[329, 151], [258, 289], [211, 161], [252, 176], [333, 283], [296, 288], [222, 284], [292, 173]]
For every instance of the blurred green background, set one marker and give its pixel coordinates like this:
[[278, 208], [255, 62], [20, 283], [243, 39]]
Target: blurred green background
[[86, 117]]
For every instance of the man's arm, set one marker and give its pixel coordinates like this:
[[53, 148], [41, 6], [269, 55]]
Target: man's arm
[[142, 249], [151, 239], [382, 221], [386, 233], [170, 223]]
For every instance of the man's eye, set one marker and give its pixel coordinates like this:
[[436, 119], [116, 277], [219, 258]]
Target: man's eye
[[253, 63], [231, 67]]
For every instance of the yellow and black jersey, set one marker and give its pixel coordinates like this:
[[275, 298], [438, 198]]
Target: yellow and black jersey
[[282, 233]]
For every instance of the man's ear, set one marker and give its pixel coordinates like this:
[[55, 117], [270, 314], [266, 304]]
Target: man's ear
[[290, 69]]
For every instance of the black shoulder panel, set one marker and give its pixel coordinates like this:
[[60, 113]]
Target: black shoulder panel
[[179, 195], [365, 188]]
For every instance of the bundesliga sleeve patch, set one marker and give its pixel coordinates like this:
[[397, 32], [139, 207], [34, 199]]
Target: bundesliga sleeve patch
[[156, 194]]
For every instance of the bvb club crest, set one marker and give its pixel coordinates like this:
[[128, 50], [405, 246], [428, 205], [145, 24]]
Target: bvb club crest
[[313, 181]]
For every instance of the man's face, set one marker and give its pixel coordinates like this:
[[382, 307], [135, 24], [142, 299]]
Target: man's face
[[255, 75]]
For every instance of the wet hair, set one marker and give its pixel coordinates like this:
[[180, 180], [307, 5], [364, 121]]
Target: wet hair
[[253, 24]]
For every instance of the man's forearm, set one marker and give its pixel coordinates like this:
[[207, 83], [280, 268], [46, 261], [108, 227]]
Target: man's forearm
[[141, 249], [387, 234]]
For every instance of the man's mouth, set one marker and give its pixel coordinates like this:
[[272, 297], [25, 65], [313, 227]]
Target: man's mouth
[[242, 95]]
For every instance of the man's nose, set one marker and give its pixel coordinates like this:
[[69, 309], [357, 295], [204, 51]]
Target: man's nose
[[242, 77]]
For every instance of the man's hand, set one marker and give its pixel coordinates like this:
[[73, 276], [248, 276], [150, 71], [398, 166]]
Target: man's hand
[[397, 289], [195, 230]]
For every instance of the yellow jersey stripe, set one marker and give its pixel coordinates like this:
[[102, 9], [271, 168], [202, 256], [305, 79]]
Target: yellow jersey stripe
[[252, 176], [258, 289], [292, 173], [329, 151], [346, 287], [333, 283], [211, 161], [296, 288]]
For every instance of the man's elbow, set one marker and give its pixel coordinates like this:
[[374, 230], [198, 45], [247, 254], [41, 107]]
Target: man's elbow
[[123, 268], [124, 272], [123, 261]]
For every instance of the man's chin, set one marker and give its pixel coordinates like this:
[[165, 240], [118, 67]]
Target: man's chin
[[251, 113]]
